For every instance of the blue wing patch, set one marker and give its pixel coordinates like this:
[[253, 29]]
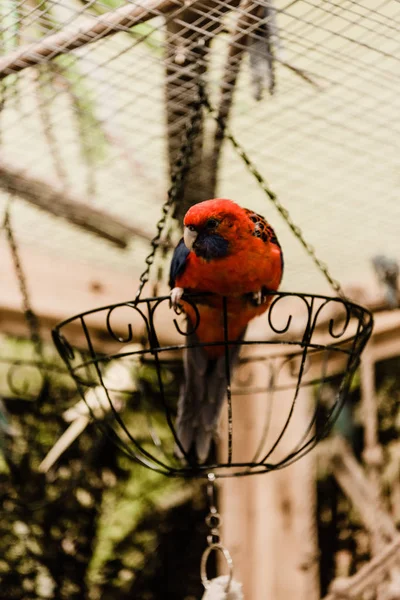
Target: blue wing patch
[[178, 262]]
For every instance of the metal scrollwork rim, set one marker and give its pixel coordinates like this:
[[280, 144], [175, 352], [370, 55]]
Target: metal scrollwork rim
[[348, 344]]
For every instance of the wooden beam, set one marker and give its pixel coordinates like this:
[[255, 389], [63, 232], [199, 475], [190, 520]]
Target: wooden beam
[[236, 49], [268, 520], [60, 288]]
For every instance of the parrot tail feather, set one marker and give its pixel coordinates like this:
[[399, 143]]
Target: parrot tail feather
[[201, 399]]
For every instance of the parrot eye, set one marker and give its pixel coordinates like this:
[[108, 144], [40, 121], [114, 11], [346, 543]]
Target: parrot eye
[[211, 223], [191, 228]]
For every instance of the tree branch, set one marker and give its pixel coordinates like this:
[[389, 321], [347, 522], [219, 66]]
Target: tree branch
[[368, 577], [50, 197], [352, 479], [247, 23], [236, 51], [66, 40], [119, 382]]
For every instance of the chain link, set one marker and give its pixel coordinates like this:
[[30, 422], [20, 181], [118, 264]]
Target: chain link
[[175, 191], [323, 267], [30, 317]]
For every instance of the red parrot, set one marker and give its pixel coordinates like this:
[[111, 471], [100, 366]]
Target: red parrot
[[233, 252]]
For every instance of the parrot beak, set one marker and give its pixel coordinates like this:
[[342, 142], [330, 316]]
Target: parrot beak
[[189, 237]]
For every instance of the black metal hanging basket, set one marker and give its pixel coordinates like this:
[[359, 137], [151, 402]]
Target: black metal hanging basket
[[304, 344]]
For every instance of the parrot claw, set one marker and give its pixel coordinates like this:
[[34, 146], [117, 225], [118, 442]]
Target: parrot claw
[[258, 298], [176, 295]]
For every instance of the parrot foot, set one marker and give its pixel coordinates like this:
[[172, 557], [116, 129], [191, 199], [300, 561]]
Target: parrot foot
[[176, 295], [258, 298]]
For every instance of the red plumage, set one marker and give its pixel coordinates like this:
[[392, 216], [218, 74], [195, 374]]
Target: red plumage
[[251, 264]]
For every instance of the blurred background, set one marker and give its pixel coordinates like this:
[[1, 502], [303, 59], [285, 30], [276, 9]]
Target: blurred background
[[94, 100]]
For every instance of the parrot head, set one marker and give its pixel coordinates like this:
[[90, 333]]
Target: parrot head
[[212, 226]]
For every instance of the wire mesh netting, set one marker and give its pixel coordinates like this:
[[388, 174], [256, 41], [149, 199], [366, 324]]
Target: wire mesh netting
[[92, 122], [94, 97]]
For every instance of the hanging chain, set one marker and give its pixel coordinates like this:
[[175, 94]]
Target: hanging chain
[[30, 317], [213, 519], [213, 522], [177, 181], [323, 267], [162, 261]]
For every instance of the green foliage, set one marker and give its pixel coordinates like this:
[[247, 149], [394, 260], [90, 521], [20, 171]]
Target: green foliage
[[342, 535], [124, 506], [145, 32], [10, 22], [63, 72], [388, 398], [98, 526]]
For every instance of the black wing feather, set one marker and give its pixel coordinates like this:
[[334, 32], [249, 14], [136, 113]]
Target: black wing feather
[[178, 262]]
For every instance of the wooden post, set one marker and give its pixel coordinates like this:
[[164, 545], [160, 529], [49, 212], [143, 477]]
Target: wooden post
[[269, 520]]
